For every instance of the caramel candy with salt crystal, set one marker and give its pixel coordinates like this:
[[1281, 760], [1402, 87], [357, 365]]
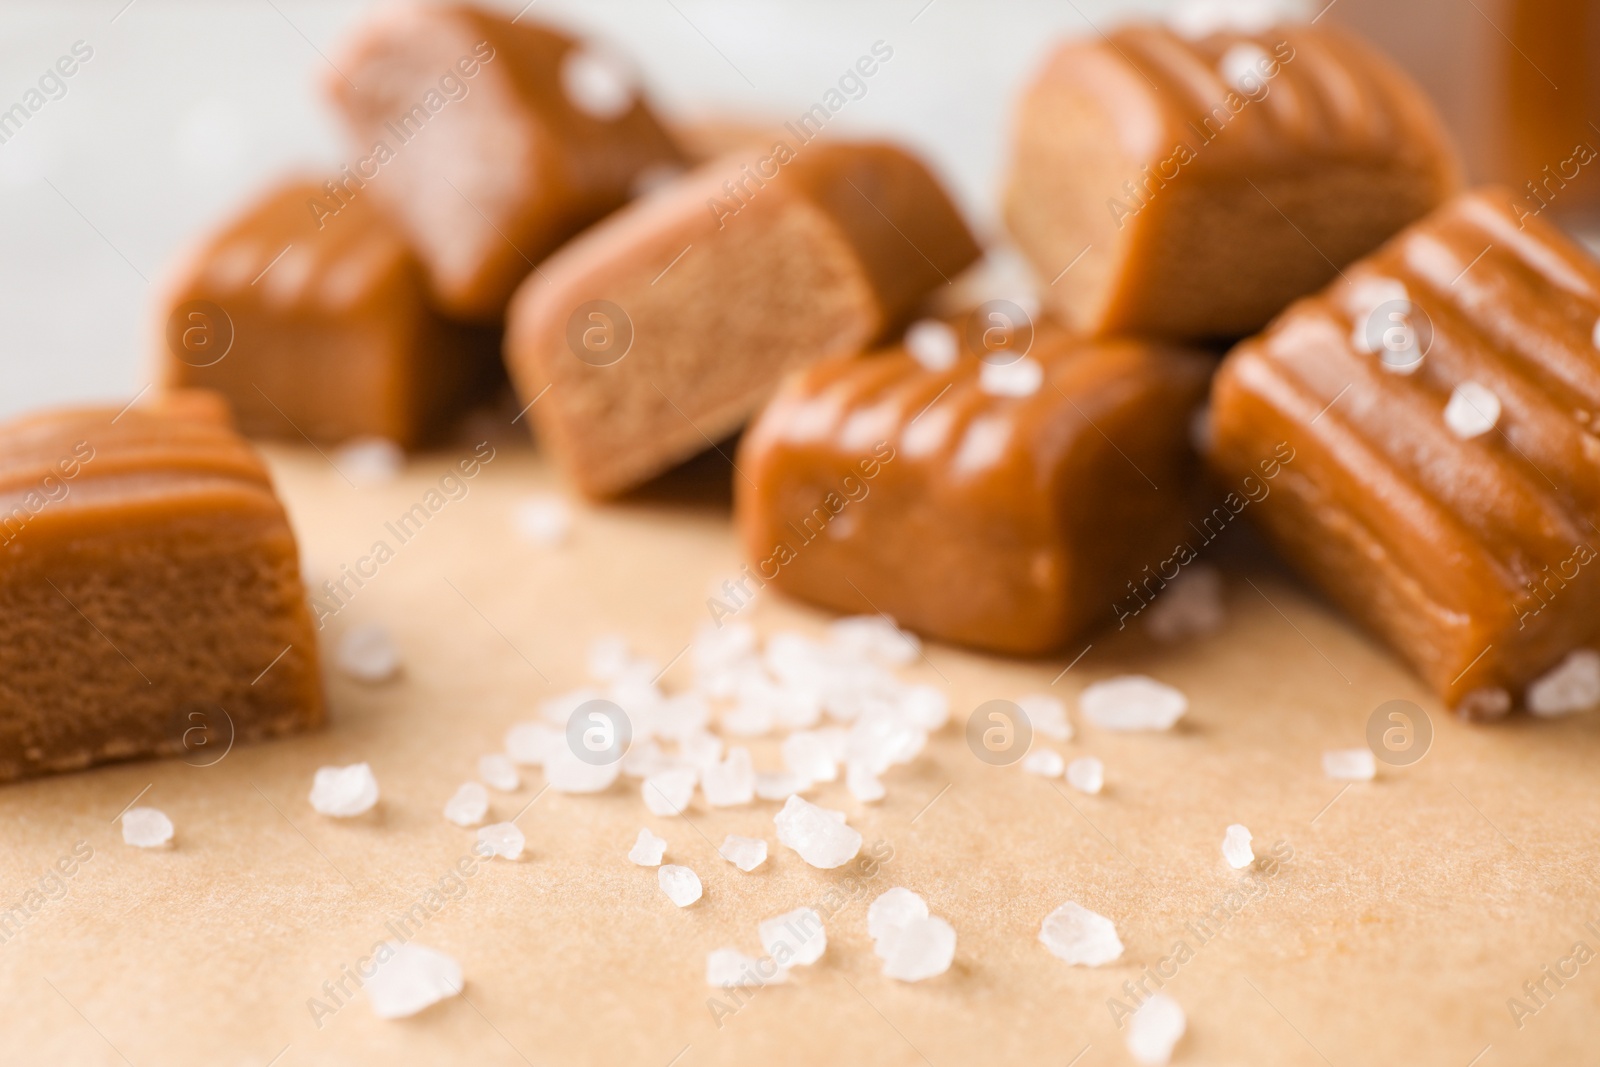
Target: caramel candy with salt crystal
[[151, 592], [1192, 187], [999, 505], [664, 327], [316, 325], [490, 141], [1443, 405]]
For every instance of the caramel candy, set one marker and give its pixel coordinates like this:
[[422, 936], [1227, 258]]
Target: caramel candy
[[664, 327], [150, 589], [490, 141], [1442, 402], [1191, 188], [998, 505], [317, 326]]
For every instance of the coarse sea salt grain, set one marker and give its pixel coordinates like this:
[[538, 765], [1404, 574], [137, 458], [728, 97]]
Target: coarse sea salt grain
[[1086, 774], [1349, 764], [1047, 715], [889, 913], [875, 637], [668, 792], [598, 83], [544, 520], [1045, 762], [369, 461], [1190, 606], [863, 783], [1472, 411], [501, 839], [731, 782], [806, 753], [1573, 685], [530, 743], [146, 827], [1236, 847], [728, 968], [344, 791], [925, 707], [745, 853], [408, 977], [1079, 936], [819, 835], [498, 772], [680, 884], [1019, 378], [648, 849], [1132, 702], [933, 344], [780, 785], [368, 654], [566, 773], [924, 949], [468, 805], [1154, 1030], [795, 938]]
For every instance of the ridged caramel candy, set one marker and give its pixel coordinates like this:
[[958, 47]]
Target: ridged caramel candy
[[1443, 404], [1005, 522], [490, 140], [149, 590], [663, 328], [1191, 188], [315, 322]]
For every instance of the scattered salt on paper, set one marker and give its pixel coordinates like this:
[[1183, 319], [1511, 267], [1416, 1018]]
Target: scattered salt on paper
[[1132, 702], [923, 949], [795, 938], [806, 754], [1045, 762], [501, 839], [680, 884], [669, 792], [544, 520], [889, 913], [344, 791], [369, 461], [408, 977], [780, 785], [468, 805], [530, 743], [1190, 606], [863, 783], [368, 654], [1236, 847], [1047, 715], [1079, 936], [1573, 685], [731, 782], [146, 827], [648, 849], [819, 835], [745, 853], [1349, 764], [728, 968], [1154, 1029], [566, 773], [498, 772], [1086, 774]]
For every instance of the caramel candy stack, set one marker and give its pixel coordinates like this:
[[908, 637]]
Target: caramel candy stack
[[313, 322], [150, 591], [1443, 403], [1000, 505], [1191, 188], [490, 141], [661, 329]]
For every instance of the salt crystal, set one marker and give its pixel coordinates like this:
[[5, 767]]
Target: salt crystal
[[719, 647], [408, 977], [608, 657], [1349, 764], [889, 913], [806, 754], [876, 637], [498, 773], [146, 827], [924, 949], [795, 938], [368, 654], [863, 782], [1573, 685], [925, 707], [819, 835], [1045, 762], [731, 782], [544, 520], [530, 743], [501, 839], [682, 716], [344, 791], [745, 853], [566, 773], [749, 720], [1086, 774], [680, 884], [598, 83], [559, 708], [1242, 67], [1132, 702], [645, 758], [1079, 936], [728, 968], [1155, 1029], [933, 344], [648, 849], [1472, 410], [1190, 606], [1236, 847], [468, 805], [779, 785], [669, 792], [369, 461], [1019, 378], [700, 749], [1046, 715]]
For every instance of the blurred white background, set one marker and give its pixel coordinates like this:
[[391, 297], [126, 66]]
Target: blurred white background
[[186, 108]]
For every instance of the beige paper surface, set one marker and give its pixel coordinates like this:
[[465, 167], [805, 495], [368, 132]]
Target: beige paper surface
[[1412, 908]]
